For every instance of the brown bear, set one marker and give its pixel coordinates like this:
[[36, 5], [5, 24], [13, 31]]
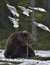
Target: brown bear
[[15, 42], [22, 52]]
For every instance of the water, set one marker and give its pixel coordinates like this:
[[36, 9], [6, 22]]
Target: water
[[42, 53], [22, 61]]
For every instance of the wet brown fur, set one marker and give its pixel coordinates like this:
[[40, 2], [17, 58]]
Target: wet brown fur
[[15, 41]]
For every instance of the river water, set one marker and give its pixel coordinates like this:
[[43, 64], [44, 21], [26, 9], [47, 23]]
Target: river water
[[22, 61]]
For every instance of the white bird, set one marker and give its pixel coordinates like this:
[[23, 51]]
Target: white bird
[[42, 26], [13, 10], [14, 21], [38, 9], [26, 11]]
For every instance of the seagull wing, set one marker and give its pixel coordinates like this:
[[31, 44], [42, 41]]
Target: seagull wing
[[11, 19], [42, 10], [22, 8], [25, 10], [33, 8], [38, 9], [13, 10], [14, 21], [42, 26], [26, 13], [29, 10], [16, 25]]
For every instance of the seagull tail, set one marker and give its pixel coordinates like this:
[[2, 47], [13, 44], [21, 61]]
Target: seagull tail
[[49, 30]]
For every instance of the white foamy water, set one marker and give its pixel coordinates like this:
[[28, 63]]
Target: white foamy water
[[42, 53], [26, 61]]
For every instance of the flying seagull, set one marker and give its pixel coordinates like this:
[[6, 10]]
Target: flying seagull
[[42, 26], [13, 10], [38, 9], [26, 11], [14, 21]]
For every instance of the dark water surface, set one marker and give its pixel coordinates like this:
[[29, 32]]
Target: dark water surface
[[22, 61]]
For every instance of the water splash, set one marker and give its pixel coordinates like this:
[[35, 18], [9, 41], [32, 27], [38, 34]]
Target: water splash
[[22, 61]]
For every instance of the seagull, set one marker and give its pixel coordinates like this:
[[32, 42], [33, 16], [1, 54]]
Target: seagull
[[26, 11], [42, 26], [14, 21], [38, 9], [13, 10]]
